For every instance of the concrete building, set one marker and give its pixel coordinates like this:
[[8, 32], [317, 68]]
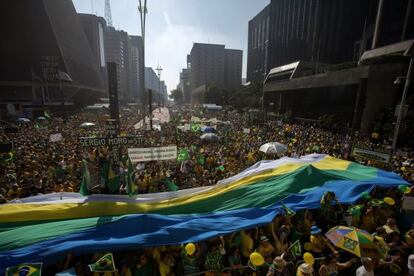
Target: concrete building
[[232, 69], [159, 89], [136, 68], [117, 49], [316, 31], [46, 58], [184, 85], [94, 28], [258, 45], [212, 64]]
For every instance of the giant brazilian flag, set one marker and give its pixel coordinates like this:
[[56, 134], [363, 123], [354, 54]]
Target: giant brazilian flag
[[40, 228]]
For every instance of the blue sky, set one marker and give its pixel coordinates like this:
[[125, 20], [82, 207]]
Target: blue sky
[[173, 25]]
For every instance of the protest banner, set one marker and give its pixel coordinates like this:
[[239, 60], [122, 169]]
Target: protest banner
[[152, 154], [246, 130], [408, 203], [371, 154], [55, 137]]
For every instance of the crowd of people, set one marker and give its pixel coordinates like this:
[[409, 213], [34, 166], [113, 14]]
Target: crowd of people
[[37, 165]]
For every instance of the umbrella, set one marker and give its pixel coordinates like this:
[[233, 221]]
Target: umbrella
[[355, 241], [211, 137], [23, 120], [40, 118], [207, 129], [273, 148], [87, 124]]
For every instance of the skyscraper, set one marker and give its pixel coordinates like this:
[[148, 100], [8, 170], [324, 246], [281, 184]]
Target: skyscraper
[[212, 64], [137, 67]]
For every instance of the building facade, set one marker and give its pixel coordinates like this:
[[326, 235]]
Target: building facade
[[94, 28], [136, 68], [44, 37], [258, 45], [315, 30], [212, 64], [117, 50], [184, 85], [159, 89]]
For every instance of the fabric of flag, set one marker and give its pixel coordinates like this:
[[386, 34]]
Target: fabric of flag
[[114, 180], [129, 179], [183, 155], [288, 212], [295, 250], [34, 269], [104, 264], [37, 125], [103, 173], [86, 180], [195, 127], [201, 159], [220, 168], [171, 186], [47, 226]]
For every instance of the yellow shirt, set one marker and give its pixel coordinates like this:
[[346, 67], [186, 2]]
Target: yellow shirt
[[246, 246], [164, 269], [317, 243]]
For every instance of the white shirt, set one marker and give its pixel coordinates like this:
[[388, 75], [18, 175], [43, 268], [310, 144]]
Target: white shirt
[[361, 271]]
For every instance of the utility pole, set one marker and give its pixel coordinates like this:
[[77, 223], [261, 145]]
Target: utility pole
[[400, 110], [150, 106], [142, 9], [159, 70]]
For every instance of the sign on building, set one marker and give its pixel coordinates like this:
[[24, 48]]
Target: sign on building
[[152, 154]]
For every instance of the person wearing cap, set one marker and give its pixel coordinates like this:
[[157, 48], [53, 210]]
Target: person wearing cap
[[304, 270], [266, 249], [278, 267], [319, 242]]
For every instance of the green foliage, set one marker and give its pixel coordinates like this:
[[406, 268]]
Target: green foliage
[[176, 96], [247, 97]]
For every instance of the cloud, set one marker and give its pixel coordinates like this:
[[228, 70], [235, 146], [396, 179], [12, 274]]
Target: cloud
[[171, 46], [167, 18]]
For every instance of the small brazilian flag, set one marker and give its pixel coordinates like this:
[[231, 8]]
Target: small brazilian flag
[[183, 155], [289, 212], [114, 180], [47, 115], [104, 264], [295, 250], [195, 127], [25, 269], [200, 159], [221, 168], [37, 125]]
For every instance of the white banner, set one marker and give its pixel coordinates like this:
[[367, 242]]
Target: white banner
[[246, 130], [56, 137], [408, 203], [150, 154]]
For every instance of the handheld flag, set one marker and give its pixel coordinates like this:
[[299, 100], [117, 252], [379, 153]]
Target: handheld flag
[[171, 186], [289, 212], [295, 250], [37, 125], [195, 127], [25, 269], [221, 168], [183, 155], [129, 180], [86, 180], [104, 264], [201, 159], [114, 180], [47, 115]]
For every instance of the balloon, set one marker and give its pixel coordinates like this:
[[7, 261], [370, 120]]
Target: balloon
[[308, 246], [389, 201], [308, 258], [403, 188], [256, 259], [190, 248], [365, 195]]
